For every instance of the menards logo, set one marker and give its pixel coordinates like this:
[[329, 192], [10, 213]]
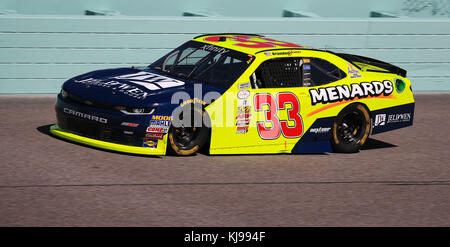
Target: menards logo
[[344, 92]]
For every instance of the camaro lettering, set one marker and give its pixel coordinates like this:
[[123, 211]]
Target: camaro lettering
[[84, 115], [344, 92]]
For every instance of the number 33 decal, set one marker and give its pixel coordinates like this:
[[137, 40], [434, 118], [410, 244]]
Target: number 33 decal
[[278, 126], [253, 42]]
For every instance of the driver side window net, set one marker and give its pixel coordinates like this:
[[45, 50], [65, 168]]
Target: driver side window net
[[295, 72], [279, 72]]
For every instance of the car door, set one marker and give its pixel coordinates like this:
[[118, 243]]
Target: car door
[[278, 89], [271, 112]]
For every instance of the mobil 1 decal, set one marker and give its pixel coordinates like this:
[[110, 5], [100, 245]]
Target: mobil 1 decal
[[272, 127], [345, 92]]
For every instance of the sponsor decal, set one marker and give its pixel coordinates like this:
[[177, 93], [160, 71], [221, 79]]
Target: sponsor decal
[[129, 124], [215, 49], [150, 80], [116, 86], [193, 101], [380, 120], [398, 118], [244, 105], [267, 53], [344, 92], [158, 136], [320, 130], [242, 129], [383, 119], [159, 125], [160, 117], [250, 59], [281, 53], [289, 53], [306, 72], [85, 115], [244, 85], [127, 84], [243, 119], [150, 143], [354, 73], [156, 130], [400, 85], [243, 116], [243, 94]]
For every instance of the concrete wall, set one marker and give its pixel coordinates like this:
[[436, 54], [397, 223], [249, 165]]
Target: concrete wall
[[231, 8], [38, 53]]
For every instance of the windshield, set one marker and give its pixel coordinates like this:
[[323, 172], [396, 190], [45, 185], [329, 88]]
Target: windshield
[[205, 63]]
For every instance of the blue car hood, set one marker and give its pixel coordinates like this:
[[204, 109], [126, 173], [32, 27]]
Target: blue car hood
[[131, 86]]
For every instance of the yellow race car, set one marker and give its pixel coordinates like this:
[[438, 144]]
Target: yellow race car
[[237, 94]]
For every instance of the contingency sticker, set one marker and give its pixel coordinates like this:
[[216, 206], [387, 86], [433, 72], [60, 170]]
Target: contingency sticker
[[243, 116], [354, 73], [306, 72], [159, 125], [244, 85], [150, 143]]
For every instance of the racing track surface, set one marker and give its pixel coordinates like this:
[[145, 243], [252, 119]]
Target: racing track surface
[[401, 179]]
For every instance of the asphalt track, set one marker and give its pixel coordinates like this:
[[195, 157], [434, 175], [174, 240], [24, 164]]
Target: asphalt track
[[402, 178]]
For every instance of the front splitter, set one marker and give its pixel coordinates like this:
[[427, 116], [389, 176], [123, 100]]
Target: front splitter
[[159, 150]]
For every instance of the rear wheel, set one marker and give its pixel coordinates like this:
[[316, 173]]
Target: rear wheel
[[351, 129], [187, 140]]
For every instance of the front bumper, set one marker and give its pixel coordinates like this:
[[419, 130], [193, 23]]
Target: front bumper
[[105, 128], [159, 150]]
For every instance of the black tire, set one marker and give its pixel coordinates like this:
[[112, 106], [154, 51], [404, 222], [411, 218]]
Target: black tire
[[185, 141], [351, 129]]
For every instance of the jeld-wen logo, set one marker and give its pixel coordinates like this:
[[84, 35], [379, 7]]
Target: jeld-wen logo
[[380, 119], [397, 118]]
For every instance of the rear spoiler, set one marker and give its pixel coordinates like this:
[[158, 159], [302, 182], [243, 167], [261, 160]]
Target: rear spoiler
[[370, 61]]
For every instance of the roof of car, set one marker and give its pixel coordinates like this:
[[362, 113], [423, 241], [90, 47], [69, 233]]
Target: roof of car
[[253, 44], [249, 43]]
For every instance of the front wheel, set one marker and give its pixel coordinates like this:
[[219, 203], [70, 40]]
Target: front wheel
[[187, 140], [351, 129]]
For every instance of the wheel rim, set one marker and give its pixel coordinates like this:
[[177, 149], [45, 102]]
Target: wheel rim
[[350, 129], [183, 136]]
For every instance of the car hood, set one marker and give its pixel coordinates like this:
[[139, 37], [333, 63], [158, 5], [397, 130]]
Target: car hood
[[130, 86]]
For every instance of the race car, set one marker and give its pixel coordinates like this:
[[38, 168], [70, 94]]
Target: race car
[[236, 94]]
